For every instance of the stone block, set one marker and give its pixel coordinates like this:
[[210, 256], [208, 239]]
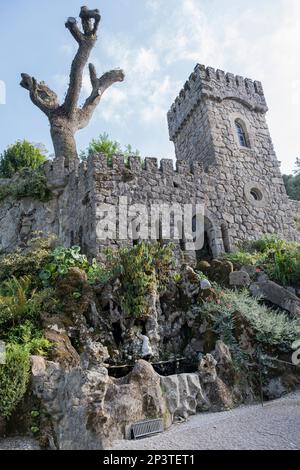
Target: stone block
[[277, 295], [239, 279]]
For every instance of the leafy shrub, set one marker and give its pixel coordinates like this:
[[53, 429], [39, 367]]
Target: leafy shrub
[[201, 276], [14, 377], [268, 242], [107, 147], [94, 272], [19, 263], [20, 308], [177, 278], [292, 184], [272, 328], [28, 183], [142, 270], [18, 156], [60, 261], [20, 302], [278, 258], [241, 258], [282, 263], [29, 335]]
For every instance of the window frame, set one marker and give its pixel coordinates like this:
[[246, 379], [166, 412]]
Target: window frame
[[242, 134]]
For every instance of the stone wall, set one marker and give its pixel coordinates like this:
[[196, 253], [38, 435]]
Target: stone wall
[[225, 195], [295, 206], [195, 140], [75, 211], [69, 215], [90, 410], [19, 219]]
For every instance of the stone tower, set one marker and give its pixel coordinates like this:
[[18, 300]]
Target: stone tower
[[219, 120], [211, 113]]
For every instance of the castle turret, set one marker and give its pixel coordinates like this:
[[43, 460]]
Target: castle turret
[[219, 120], [216, 111]]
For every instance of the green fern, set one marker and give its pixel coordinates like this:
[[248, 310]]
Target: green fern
[[14, 299]]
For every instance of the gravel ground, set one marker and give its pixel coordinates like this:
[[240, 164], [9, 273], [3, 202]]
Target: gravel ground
[[274, 426], [19, 443]]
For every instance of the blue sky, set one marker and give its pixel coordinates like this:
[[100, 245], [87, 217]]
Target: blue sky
[[157, 43]]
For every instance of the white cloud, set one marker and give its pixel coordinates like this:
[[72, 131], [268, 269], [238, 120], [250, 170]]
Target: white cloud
[[159, 100], [147, 62], [86, 84], [68, 49], [61, 81], [142, 68], [296, 92], [247, 42], [183, 32], [273, 58]]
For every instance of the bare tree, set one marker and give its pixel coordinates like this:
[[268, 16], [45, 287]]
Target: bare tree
[[66, 119]]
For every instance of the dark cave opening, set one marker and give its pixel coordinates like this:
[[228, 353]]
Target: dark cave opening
[[142, 325], [164, 368], [206, 252], [186, 335], [117, 333]]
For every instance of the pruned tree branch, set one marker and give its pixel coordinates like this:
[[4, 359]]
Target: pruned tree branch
[[41, 95], [99, 86], [87, 16], [72, 26], [93, 75], [90, 20]]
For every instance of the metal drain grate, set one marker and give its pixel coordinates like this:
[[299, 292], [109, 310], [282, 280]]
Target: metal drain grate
[[147, 428]]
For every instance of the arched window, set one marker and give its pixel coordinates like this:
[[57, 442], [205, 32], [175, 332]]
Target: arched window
[[242, 134]]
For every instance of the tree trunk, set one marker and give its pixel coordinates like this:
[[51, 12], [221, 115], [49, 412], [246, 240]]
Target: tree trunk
[[2, 426], [63, 137]]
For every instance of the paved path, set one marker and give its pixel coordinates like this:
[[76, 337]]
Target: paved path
[[19, 443], [274, 426]]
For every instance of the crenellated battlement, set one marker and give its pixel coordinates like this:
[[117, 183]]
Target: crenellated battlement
[[207, 82], [56, 172], [59, 176], [137, 165]]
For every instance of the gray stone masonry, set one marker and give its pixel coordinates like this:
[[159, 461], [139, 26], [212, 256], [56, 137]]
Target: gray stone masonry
[[295, 205]]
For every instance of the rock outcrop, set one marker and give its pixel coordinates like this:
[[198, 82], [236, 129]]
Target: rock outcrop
[[89, 409], [239, 279], [277, 295], [184, 395]]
